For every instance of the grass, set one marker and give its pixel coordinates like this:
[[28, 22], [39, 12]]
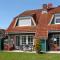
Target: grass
[[27, 56]]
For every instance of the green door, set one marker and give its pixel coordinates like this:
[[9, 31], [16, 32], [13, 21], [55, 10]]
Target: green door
[[43, 45], [1, 44]]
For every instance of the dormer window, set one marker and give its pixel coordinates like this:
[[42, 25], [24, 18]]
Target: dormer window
[[57, 18], [25, 21]]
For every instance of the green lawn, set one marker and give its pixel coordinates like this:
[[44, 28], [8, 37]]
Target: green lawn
[[27, 56]]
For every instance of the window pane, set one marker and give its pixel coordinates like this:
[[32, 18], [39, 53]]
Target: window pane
[[57, 39], [6, 41], [17, 40], [25, 22], [11, 40], [30, 40], [23, 40], [57, 20]]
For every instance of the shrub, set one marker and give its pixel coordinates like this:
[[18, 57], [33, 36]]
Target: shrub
[[38, 46]]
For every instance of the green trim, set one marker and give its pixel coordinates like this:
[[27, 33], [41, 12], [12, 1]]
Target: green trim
[[43, 45]]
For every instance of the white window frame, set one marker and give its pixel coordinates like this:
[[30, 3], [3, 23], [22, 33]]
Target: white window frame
[[26, 39], [51, 20], [57, 16], [26, 17], [55, 20], [24, 22], [31, 42], [23, 40]]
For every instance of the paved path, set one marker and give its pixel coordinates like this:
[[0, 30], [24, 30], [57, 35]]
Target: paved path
[[21, 51], [53, 52]]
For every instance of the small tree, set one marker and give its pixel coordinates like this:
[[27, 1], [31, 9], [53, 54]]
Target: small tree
[[38, 46]]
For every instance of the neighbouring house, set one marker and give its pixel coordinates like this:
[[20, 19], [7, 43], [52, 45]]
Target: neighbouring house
[[43, 24], [2, 37]]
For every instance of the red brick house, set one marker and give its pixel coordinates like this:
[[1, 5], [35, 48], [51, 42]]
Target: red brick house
[[30, 25]]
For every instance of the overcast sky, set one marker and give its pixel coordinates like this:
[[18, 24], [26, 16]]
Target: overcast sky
[[10, 8]]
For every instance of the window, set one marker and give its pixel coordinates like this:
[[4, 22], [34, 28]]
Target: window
[[30, 40], [23, 40], [17, 40], [26, 40], [56, 39], [6, 41], [25, 21], [11, 40], [57, 18]]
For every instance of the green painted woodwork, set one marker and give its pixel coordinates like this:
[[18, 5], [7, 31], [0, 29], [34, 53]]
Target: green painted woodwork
[[43, 45], [1, 44]]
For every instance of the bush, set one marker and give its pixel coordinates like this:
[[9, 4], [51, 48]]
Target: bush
[[38, 46]]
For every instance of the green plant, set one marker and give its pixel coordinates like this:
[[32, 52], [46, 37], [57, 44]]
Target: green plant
[[38, 46]]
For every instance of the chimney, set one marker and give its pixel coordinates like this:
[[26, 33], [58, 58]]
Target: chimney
[[44, 11], [49, 5], [45, 6]]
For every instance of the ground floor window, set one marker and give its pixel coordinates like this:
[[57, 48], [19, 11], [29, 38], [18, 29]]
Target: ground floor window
[[56, 39], [30, 40], [54, 42], [24, 40], [11, 40], [17, 40]]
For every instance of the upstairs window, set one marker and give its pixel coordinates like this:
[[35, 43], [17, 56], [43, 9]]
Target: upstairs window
[[57, 18], [25, 21]]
